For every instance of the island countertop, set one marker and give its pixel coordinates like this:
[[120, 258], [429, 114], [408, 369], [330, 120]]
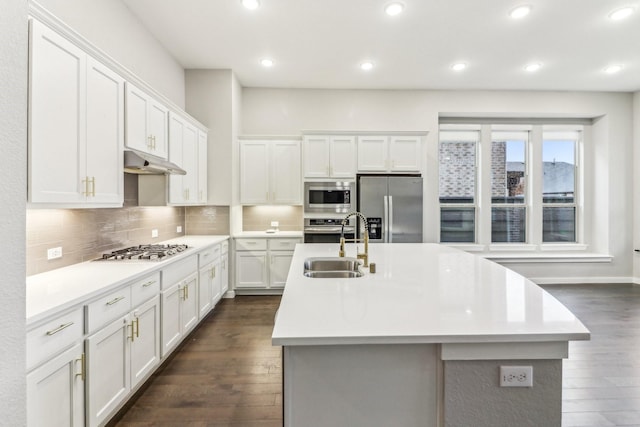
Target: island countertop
[[420, 293]]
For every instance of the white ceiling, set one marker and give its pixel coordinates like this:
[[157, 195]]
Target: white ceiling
[[320, 43]]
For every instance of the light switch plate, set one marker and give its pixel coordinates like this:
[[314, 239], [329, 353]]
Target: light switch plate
[[154, 232]]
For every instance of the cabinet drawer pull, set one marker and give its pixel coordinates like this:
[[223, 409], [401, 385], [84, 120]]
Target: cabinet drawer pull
[[251, 243], [59, 328], [115, 300], [149, 283]]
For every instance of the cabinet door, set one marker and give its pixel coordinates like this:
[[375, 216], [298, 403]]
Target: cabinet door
[[158, 118], [57, 118], [316, 156], [286, 178], [105, 130], [203, 165], [372, 154], [170, 321], [405, 153], [343, 157], [190, 163], [108, 371], [138, 135], [145, 346], [189, 304], [224, 274], [254, 172], [280, 263], [55, 391], [216, 292], [205, 290], [251, 270], [176, 149]]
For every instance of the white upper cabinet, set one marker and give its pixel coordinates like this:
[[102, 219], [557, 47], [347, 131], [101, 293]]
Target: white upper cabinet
[[183, 151], [203, 164], [329, 156], [270, 172], [389, 153], [147, 123], [76, 125]]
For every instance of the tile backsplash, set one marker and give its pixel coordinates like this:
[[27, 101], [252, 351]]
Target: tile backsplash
[[258, 218], [206, 220], [85, 234]]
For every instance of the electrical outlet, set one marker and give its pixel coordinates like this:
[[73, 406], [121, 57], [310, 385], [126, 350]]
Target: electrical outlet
[[54, 253], [154, 232], [179, 229], [516, 376], [275, 224]]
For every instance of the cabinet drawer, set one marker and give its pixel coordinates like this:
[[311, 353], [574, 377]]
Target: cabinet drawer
[[178, 271], [145, 289], [209, 255], [251, 244], [224, 247], [48, 339], [108, 308], [283, 244]]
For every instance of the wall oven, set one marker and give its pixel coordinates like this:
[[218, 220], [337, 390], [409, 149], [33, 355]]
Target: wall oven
[[329, 197], [327, 230]]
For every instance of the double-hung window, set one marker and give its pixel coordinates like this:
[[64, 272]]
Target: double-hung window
[[510, 186], [457, 186], [559, 186]]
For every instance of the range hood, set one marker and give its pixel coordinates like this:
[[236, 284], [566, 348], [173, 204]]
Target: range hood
[[138, 162]]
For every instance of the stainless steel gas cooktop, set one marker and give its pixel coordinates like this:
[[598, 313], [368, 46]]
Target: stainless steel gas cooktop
[[144, 252]]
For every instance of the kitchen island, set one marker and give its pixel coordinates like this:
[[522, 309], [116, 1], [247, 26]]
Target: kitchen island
[[420, 342]]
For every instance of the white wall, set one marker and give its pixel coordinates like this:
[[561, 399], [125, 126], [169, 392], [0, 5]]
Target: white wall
[[111, 27], [13, 168], [291, 111]]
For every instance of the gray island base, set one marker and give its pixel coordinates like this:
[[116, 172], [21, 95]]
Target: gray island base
[[420, 342]]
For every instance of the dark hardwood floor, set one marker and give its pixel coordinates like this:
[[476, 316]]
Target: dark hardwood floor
[[228, 374], [601, 377]]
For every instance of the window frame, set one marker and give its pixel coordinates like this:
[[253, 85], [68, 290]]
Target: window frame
[[534, 185]]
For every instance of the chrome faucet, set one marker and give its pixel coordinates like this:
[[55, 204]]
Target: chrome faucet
[[365, 255]]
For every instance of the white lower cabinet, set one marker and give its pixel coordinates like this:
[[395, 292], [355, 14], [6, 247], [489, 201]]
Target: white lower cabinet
[[179, 312], [263, 263], [83, 363], [224, 268], [55, 391], [119, 356]]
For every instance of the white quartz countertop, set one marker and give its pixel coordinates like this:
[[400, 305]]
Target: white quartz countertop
[[277, 234], [63, 288], [421, 293]]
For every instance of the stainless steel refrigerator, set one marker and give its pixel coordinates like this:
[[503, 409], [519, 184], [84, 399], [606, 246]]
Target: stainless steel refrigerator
[[392, 206]]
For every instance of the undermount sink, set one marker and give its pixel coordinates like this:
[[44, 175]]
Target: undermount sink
[[332, 267]]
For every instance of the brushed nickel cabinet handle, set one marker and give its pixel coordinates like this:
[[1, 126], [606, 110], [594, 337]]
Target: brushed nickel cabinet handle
[[149, 283], [59, 328], [82, 374], [115, 300]]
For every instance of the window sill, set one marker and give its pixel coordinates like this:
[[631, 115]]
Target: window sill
[[549, 253]]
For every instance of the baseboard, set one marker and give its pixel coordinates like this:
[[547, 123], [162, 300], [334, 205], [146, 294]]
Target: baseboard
[[581, 280], [229, 294]]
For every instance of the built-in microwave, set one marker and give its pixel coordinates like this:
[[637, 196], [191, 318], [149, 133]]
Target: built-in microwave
[[329, 196]]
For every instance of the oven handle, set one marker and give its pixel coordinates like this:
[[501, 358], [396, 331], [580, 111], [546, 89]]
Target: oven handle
[[328, 230]]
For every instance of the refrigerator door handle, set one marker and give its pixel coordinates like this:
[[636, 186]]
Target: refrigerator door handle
[[385, 219], [390, 223]]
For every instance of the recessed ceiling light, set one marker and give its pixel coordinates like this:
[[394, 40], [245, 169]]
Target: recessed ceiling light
[[267, 62], [251, 4], [393, 9], [532, 68], [622, 13], [612, 69], [520, 12], [366, 66], [459, 66]]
